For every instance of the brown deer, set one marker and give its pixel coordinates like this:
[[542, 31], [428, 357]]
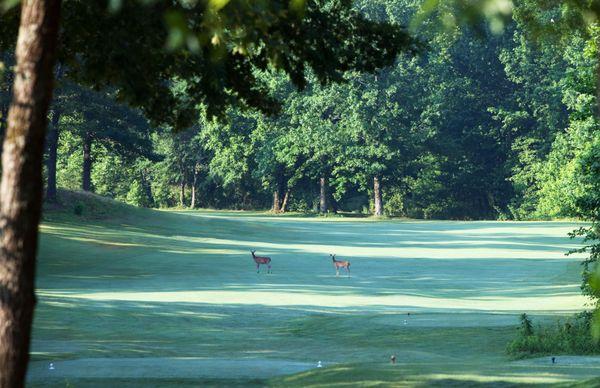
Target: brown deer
[[261, 260], [340, 264]]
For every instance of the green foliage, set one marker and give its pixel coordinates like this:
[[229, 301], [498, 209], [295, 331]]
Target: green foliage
[[526, 326], [496, 128], [216, 50], [495, 13], [474, 129], [137, 196], [394, 202], [572, 336]]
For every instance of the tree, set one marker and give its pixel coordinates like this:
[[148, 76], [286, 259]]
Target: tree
[[101, 121], [21, 186], [52, 142], [381, 113], [557, 22], [313, 139], [329, 38]]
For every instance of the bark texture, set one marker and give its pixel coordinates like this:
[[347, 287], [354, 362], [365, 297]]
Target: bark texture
[[182, 193], [194, 184], [21, 187], [286, 198], [276, 208], [86, 178], [378, 200], [323, 195], [193, 203]]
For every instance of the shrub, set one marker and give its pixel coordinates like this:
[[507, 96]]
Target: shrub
[[78, 209], [137, 196], [526, 326], [393, 202], [572, 336]]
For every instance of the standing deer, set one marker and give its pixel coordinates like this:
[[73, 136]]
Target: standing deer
[[340, 264], [261, 260]]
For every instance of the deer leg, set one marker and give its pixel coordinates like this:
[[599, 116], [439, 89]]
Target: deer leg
[[257, 268], [337, 271], [348, 270]]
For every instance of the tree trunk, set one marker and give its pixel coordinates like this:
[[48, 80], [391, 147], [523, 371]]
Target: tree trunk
[[276, 208], [323, 195], [182, 193], [197, 169], [193, 203], [286, 198], [194, 181], [53, 135], [86, 181], [52, 139], [22, 187], [378, 197]]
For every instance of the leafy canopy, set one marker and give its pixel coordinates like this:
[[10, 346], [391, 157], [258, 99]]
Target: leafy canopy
[[215, 47]]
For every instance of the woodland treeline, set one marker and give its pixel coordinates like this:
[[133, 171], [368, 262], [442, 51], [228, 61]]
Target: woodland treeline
[[474, 125]]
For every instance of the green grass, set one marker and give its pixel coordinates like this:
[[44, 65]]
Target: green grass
[[134, 297]]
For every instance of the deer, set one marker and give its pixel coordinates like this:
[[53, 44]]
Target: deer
[[261, 260], [340, 264]]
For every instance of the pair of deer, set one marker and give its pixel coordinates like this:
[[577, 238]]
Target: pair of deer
[[267, 261]]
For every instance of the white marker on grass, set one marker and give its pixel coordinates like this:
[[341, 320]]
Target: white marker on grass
[[51, 366], [319, 365]]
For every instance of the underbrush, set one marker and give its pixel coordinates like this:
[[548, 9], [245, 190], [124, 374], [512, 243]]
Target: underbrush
[[571, 336]]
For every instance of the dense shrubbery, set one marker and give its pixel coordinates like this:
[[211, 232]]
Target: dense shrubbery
[[571, 336]]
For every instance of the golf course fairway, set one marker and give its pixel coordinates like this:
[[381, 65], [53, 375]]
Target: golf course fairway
[[165, 298]]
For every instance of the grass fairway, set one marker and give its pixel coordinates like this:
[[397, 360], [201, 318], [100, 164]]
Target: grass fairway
[[170, 298]]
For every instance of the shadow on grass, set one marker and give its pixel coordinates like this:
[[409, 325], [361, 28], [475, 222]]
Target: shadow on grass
[[137, 260]]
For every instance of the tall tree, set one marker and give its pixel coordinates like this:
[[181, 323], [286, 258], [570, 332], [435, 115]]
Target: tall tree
[[52, 143], [21, 186], [96, 45]]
